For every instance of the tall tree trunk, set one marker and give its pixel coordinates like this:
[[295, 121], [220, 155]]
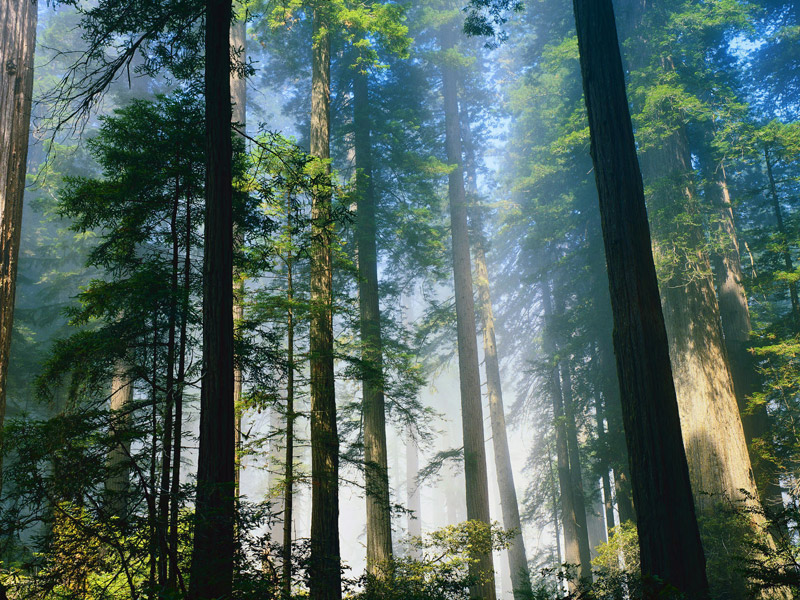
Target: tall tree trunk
[[212, 555], [325, 563], [517, 559], [376, 474], [118, 460], [573, 533], [576, 473], [17, 43], [239, 117], [477, 483], [413, 499], [787, 256], [669, 539], [180, 382], [288, 494], [734, 314], [602, 439]]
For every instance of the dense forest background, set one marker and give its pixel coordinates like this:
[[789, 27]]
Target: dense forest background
[[336, 298]]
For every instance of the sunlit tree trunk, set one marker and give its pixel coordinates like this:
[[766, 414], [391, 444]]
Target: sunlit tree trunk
[[238, 117], [517, 560], [325, 578], [413, 498], [477, 483], [669, 539], [379, 518], [17, 43], [117, 482], [212, 555]]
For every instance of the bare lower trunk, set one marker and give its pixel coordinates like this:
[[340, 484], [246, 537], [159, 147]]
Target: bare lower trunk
[[477, 483], [517, 559], [288, 494], [213, 550], [669, 539], [17, 42], [118, 460], [413, 499], [325, 563], [376, 475]]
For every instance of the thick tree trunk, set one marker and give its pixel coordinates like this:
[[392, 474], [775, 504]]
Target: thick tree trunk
[[669, 539], [734, 314], [517, 559], [477, 483], [118, 460], [376, 474], [576, 473], [17, 43], [571, 523], [325, 563], [212, 555], [239, 113]]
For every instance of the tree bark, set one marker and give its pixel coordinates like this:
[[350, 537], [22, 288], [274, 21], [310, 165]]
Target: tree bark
[[477, 483], [17, 42], [212, 555], [376, 474], [288, 499], [517, 558], [325, 562], [413, 499], [239, 117], [669, 539], [117, 482]]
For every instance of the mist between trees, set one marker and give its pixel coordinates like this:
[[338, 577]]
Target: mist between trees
[[413, 301]]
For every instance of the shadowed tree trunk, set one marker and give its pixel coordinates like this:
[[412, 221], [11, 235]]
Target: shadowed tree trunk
[[669, 539], [212, 555], [477, 483], [517, 560], [325, 563], [17, 43], [376, 474], [288, 494], [118, 460]]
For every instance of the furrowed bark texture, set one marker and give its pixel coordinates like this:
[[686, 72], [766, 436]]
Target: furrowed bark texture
[[379, 518], [477, 483], [17, 42], [517, 559], [212, 555], [669, 539], [325, 581], [239, 113]]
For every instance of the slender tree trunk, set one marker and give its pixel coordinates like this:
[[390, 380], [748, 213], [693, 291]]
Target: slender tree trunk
[[239, 117], [576, 474], [326, 583], [669, 539], [212, 556], [517, 559], [787, 257], [166, 445], [734, 314], [180, 383], [573, 545], [376, 474], [288, 500], [477, 483], [152, 496], [556, 529], [602, 438], [17, 43], [118, 460]]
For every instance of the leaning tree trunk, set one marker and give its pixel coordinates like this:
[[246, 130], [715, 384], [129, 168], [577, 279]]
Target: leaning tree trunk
[[17, 42], [376, 474], [325, 563], [669, 539], [517, 559], [212, 555], [238, 117], [477, 483]]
